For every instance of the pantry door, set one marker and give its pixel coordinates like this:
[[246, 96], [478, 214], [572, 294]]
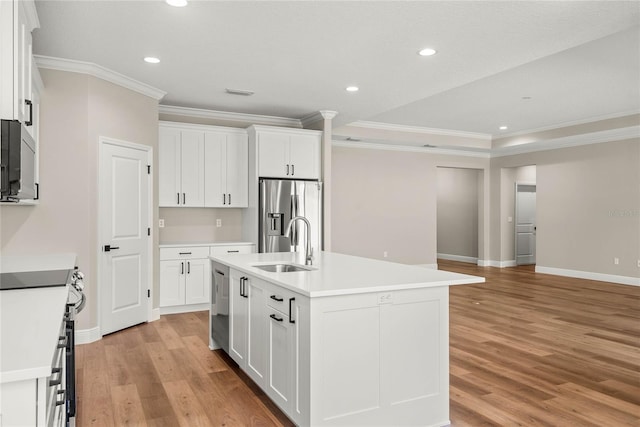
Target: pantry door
[[125, 241], [525, 226]]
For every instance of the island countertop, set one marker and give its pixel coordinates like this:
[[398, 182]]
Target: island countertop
[[339, 274]]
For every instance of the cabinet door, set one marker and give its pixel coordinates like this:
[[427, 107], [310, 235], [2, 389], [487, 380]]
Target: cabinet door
[[281, 368], [197, 281], [305, 156], [169, 193], [238, 318], [215, 169], [273, 155], [192, 168], [257, 332], [172, 282], [25, 47], [237, 168]]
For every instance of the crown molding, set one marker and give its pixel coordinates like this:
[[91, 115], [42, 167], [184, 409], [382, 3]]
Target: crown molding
[[569, 141], [318, 116], [227, 116], [203, 128], [566, 124], [419, 130], [412, 149], [100, 72]]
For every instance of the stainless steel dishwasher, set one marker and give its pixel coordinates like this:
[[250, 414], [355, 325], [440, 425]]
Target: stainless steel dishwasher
[[220, 306]]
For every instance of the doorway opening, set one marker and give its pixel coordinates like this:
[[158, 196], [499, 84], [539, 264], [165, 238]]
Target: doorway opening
[[459, 198], [518, 226]]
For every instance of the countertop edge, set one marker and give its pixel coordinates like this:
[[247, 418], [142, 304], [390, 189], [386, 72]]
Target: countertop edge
[[182, 245]]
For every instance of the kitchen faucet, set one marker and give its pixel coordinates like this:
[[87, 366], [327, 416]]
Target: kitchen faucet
[[308, 253]]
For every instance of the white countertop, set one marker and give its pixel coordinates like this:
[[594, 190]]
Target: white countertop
[[183, 244], [30, 319], [338, 274]]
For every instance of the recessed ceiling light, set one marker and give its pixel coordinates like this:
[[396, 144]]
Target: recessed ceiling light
[[177, 3], [427, 52], [151, 60], [503, 128], [353, 88]]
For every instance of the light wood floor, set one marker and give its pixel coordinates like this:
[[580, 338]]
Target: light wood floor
[[526, 349]]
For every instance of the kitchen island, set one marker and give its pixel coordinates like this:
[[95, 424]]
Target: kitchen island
[[346, 341]]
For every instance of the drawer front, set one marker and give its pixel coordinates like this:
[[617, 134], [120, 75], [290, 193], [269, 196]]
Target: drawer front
[[231, 249], [278, 298], [186, 252]]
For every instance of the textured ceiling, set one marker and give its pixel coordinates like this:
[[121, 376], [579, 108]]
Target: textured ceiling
[[576, 60]]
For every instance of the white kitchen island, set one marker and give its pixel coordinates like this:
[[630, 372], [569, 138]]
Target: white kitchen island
[[353, 341]]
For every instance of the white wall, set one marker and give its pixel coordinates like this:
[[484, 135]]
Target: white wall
[[75, 110]]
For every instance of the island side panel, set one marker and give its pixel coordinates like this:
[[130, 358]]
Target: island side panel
[[380, 358]]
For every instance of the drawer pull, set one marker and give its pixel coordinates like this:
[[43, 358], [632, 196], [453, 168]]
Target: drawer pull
[[184, 253], [276, 298], [232, 252], [276, 318], [291, 319]]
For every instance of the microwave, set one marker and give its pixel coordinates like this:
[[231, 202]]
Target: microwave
[[17, 162]]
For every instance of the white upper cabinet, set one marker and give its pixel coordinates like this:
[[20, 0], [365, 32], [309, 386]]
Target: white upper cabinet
[[17, 20], [181, 167], [226, 169], [287, 153], [202, 166]]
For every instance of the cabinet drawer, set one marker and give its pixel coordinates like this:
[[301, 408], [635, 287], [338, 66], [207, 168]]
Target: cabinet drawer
[[278, 298], [231, 249], [186, 252]]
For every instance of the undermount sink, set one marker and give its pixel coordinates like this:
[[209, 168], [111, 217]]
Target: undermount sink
[[282, 268]]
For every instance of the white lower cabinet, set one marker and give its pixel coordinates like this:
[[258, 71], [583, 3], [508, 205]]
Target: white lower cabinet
[[184, 276]]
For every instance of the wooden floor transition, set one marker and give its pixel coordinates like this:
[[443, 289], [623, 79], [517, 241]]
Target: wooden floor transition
[[526, 349]]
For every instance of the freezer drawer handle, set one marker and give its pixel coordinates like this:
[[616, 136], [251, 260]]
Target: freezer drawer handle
[[275, 298], [276, 318]]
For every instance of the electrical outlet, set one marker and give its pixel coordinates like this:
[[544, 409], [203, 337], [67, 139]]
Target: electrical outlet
[[384, 254], [161, 223], [510, 219], [639, 263], [218, 223], [616, 261]]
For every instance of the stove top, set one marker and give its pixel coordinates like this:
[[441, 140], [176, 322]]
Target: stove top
[[34, 279]]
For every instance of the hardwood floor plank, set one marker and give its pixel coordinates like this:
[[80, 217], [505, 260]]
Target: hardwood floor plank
[[185, 404], [127, 406]]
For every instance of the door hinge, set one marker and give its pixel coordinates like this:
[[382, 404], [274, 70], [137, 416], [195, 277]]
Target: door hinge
[[148, 169], [149, 231], [148, 293]]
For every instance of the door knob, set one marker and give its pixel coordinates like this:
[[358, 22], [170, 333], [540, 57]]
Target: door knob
[[109, 248]]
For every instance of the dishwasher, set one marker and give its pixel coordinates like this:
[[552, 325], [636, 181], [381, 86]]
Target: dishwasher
[[220, 306]]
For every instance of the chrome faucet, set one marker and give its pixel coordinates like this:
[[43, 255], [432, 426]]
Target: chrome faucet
[[308, 253]]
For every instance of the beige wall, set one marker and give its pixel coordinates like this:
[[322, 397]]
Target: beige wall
[[198, 225], [75, 110], [457, 210], [588, 207]]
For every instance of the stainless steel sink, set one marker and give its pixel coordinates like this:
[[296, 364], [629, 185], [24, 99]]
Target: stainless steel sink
[[281, 268]]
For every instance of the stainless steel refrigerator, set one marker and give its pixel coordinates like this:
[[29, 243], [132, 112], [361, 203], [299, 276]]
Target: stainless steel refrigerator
[[281, 200]]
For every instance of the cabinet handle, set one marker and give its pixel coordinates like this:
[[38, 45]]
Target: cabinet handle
[[291, 320], [30, 104], [182, 268], [293, 170], [287, 169], [276, 318], [275, 298], [61, 402], [232, 252], [188, 267], [241, 286], [229, 198], [224, 199], [184, 253], [184, 198]]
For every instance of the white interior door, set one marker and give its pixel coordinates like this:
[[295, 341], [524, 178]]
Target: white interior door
[[124, 221], [525, 224]]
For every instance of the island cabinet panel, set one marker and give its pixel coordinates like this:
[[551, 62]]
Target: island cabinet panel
[[380, 358]]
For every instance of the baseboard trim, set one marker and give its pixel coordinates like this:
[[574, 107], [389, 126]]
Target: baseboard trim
[[460, 258], [87, 336], [578, 274], [183, 308], [498, 264]]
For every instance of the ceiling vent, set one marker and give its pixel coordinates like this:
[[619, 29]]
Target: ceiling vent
[[239, 92]]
